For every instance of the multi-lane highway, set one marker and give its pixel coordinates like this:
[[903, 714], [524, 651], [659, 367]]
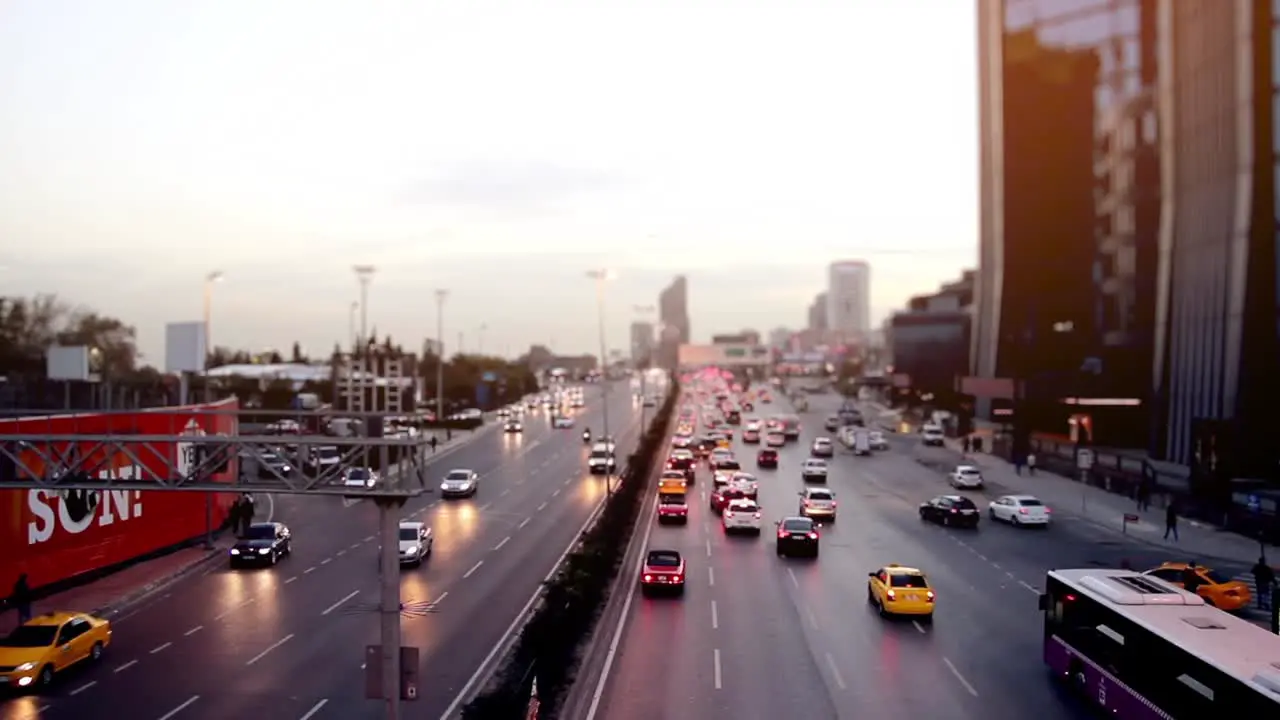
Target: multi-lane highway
[[759, 636], [288, 642]]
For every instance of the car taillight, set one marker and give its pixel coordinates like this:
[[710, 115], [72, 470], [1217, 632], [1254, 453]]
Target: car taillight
[[757, 516], [929, 596], [1022, 511], [813, 536], [648, 577], [892, 595], [1047, 511], [728, 514], [954, 511], [833, 503], [782, 533], [679, 578]]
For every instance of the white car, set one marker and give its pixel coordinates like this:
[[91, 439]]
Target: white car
[[359, 478], [601, 459], [1019, 510], [932, 435], [878, 440], [967, 477], [718, 456], [746, 482], [814, 470], [460, 483], [741, 516], [822, 448], [561, 421], [415, 543], [325, 458], [751, 426], [775, 439], [817, 503]]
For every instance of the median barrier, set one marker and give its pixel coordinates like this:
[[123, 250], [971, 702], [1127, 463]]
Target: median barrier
[[545, 654]]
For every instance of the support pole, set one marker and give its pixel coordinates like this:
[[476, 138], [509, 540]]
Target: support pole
[[389, 522]]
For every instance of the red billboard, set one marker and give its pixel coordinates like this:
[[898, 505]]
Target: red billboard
[[53, 535]]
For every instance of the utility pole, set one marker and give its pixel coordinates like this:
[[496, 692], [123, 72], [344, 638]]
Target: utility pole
[[364, 275], [389, 609], [441, 296], [352, 338], [601, 277]]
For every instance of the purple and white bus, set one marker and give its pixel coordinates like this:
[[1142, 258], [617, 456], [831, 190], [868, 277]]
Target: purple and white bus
[[1143, 649]]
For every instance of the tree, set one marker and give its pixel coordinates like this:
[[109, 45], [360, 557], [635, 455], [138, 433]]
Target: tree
[[30, 326], [849, 373], [296, 355]]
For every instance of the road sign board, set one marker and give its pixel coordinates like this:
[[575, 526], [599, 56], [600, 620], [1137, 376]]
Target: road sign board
[[1084, 458]]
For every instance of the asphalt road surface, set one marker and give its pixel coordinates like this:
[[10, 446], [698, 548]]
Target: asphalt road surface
[[759, 636], [288, 642]]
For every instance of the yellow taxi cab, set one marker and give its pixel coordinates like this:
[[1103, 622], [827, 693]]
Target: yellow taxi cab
[[723, 441], [1216, 589], [48, 644], [898, 590]]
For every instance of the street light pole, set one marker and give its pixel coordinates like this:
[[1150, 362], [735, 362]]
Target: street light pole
[[210, 280], [441, 295], [364, 275], [352, 341], [602, 276]]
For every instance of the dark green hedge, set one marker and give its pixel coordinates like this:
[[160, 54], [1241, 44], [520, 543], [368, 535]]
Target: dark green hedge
[[549, 644]]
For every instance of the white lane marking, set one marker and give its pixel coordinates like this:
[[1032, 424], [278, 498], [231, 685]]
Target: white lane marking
[[326, 561], [708, 548], [338, 604], [835, 671], [919, 627], [568, 480], [711, 576], [309, 570], [472, 571], [354, 546], [1029, 587], [232, 609], [368, 538], [794, 582], [542, 507], [960, 677], [556, 493], [431, 505], [440, 599], [486, 506], [314, 708], [523, 523], [42, 708], [193, 631], [715, 616], [996, 566], [270, 647], [716, 666], [160, 648], [83, 687], [341, 552], [295, 577], [813, 619], [191, 701], [504, 492], [126, 666], [505, 540]]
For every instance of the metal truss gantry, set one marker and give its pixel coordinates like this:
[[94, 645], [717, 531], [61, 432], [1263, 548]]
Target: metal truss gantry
[[193, 461]]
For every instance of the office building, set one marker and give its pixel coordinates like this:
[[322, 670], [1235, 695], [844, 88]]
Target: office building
[[848, 300], [929, 342], [1217, 323], [1070, 213], [642, 343], [673, 317], [818, 312]]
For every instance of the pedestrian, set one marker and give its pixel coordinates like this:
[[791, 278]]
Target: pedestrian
[[1171, 521], [247, 515], [1031, 463], [434, 442], [1144, 495], [20, 596], [1265, 579], [966, 444], [1018, 461], [1191, 581]]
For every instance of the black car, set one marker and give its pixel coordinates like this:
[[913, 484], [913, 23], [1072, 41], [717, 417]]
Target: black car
[[262, 544], [951, 511], [797, 536], [727, 464], [687, 465], [705, 445], [733, 417], [767, 459]]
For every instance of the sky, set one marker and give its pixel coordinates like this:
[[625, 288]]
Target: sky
[[498, 149]]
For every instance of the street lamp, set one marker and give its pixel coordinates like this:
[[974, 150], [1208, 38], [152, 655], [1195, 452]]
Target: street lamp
[[210, 280], [351, 325], [602, 276], [364, 275], [441, 296]]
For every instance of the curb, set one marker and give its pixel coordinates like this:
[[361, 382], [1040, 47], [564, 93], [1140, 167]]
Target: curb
[[116, 607]]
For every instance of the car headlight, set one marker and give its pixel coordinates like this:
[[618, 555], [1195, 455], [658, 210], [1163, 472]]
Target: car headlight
[[264, 551], [24, 667], [235, 551]]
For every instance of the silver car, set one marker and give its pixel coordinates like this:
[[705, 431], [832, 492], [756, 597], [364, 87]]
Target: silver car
[[460, 483]]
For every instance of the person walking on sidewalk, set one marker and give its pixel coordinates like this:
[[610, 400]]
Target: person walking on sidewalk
[[1265, 579], [1171, 521], [1144, 493], [20, 597], [966, 444], [435, 441], [1031, 463]]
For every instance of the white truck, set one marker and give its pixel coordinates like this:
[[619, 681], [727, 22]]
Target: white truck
[[861, 442]]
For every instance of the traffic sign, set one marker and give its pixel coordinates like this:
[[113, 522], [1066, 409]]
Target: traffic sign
[[1255, 504], [1084, 458]]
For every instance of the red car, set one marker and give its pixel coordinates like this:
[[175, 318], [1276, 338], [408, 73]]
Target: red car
[[751, 437], [663, 570], [722, 495], [767, 458]]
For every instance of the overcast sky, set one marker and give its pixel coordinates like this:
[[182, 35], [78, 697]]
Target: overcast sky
[[499, 149]]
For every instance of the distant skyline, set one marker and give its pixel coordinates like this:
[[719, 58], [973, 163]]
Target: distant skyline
[[497, 150]]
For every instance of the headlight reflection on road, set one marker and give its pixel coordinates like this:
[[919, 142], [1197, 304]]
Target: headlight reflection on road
[[590, 489], [457, 519]]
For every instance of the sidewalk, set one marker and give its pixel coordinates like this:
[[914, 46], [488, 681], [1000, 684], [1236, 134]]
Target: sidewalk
[[112, 594], [1108, 510]]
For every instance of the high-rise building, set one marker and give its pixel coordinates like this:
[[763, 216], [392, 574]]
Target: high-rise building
[[818, 312], [1070, 209], [849, 300], [642, 343], [1218, 319], [673, 316]]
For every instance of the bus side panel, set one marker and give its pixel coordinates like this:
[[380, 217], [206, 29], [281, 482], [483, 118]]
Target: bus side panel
[[1100, 688]]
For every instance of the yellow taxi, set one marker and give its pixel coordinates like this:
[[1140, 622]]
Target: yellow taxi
[[1217, 589], [899, 590], [48, 644]]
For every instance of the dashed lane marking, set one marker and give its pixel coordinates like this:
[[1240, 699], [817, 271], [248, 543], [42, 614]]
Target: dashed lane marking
[[190, 701], [794, 582], [813, 619], [708, 548], [486, 506], [326, 561], [960, 677], [504, 492], [505, 540], [472, 571], [232, 609], [126, 666], [711, 576], [270, 647], [160, 648], [314, 709], [339, 604], [835, 671], [309, 570], [84, 687], [354, 546], [295, 577], [716, 665], [715, 616], [556, 493], [193, 631], [542, 507], [1029, 587], [340, 553], [919, 628], [368, 538], [523, 523]]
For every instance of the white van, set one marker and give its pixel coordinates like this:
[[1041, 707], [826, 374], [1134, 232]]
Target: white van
[[932, 435]]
